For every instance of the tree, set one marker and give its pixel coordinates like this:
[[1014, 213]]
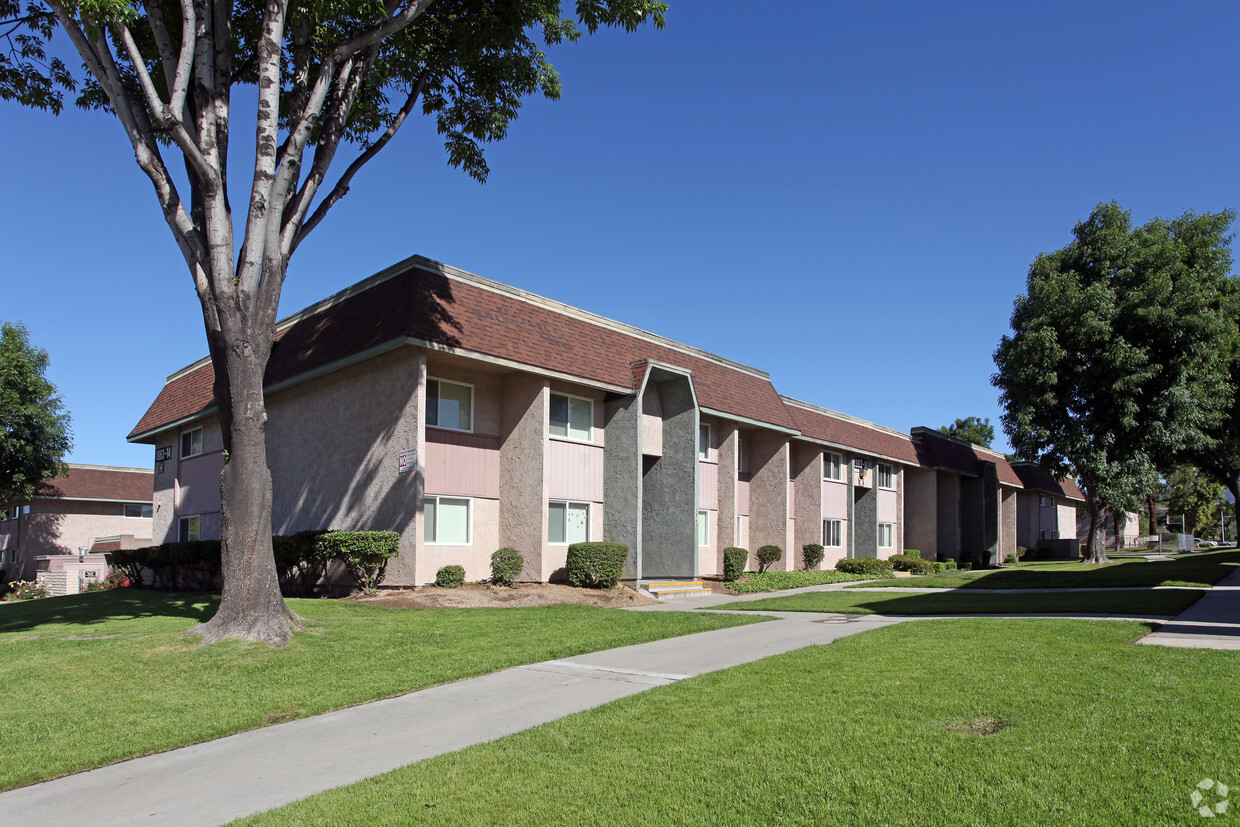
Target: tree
[[971, 429], [327, 74], [1113, 367], [34, 428], [1193, 494]]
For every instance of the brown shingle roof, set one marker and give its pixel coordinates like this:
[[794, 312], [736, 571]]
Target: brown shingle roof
[[836, 429], [94, 482], [427, 302], [937, 450], [1037, 479]]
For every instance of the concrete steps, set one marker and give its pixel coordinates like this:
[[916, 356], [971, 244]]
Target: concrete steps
[[673, 589]]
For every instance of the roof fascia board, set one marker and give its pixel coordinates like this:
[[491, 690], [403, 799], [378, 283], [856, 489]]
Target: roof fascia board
[[46, 498], [509, 363], [859, 451], [744, 420]]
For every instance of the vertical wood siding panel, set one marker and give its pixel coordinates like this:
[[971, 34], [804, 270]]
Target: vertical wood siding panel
[[888, 507], [199, 480], [834, 500], [463, 464], [708, 485], [575, 471], [742, 497]]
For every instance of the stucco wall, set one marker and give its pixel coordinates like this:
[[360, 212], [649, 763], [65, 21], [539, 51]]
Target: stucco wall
[[725, 436], [523, 456], [476, 557], [807, 471], [669, 484], [921, 511], [63, 527], [333, 445], [864, 521], [622, 469], [1007, 524], [768, 494]]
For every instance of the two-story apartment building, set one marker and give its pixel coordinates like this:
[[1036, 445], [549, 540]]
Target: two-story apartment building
[[468, 415]]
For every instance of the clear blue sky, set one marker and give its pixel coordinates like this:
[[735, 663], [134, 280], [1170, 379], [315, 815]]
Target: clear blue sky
[[845, 195]]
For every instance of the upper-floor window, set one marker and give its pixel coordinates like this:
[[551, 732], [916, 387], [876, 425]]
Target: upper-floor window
[[191, 443], [832, 467], [703, 441], [1049, 502], [742, 455], [886, 476], [449, 405], [137, 510], [570, 416]]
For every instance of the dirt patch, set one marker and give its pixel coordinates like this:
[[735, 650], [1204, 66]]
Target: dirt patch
[[977, 726], [477, 596]]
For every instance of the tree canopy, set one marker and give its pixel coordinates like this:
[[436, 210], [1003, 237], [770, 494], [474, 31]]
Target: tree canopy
[[326, 76], [1195, 495], [34, 427], [971, 429], [1117, 362]]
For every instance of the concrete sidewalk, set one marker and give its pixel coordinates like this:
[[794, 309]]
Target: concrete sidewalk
[[218, 781], [1213, 622]]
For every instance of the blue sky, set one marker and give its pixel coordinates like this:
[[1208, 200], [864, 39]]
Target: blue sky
[[845, 195]]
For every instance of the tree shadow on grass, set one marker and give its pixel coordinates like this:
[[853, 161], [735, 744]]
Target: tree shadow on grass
[[1167, 603], [102, 607], [1202, 568]]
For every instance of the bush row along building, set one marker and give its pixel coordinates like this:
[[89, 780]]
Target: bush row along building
[[469, 415]]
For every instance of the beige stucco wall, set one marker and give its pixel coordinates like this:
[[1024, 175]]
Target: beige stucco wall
[[768, 494], [807, 471], [921, 511], [725, 435], [1007, 522], [63, 527], [523, 456], [476, 557]]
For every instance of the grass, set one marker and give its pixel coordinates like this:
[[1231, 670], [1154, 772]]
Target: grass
[[770, 581], [946, 722], [107, 676], [1160, 602], [1195, 571]]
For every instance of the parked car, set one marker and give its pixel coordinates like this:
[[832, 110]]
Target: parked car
[[1200, 543]]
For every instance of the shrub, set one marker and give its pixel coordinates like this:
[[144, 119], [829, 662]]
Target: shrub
[[24, 590], [596, 565], [450, 577], [865, 565], [734, 562], [912, 552], [300, 561], [811, 555], [365, 554], [768, 555], [506, 565], [914, 565], [770, 581], [966, 566], [131, 561], [1013, 557], [944, 565]]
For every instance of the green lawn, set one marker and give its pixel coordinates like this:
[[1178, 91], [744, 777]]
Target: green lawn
[[771, 581], [1143, 603], [101, 677], [880, 728], [1195, 571]]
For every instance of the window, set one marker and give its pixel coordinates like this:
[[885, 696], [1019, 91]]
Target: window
[[832, 467], [886, 533], [703, 528], [187, 529], [571, 416], [703, 441], [137, 510], [446, 521], [191, 443], [832, 533], [886, 476], [568, 523], [1048, 502], [742, 456], [12, 555], [449, 405]]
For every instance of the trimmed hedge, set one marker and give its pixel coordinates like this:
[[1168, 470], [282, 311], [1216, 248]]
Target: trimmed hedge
[[767, 556], [506, 565], [770, 581], [365, 554], [912, 552], [869, 566], [734, 561], [450, 577], [944, 565], [811, 555], [596, 565], [299, 560], [914, 565]]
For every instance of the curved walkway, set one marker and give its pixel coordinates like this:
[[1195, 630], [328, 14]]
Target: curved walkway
[[218, 781]]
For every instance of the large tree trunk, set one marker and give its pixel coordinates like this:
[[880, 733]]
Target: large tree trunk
[[251, 606], [1152, 527], [1095, 548]]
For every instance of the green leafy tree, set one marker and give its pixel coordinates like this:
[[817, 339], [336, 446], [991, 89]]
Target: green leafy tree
[[971, 429], [1193, 494], [1113, 367], [34, 428], [328, 75]]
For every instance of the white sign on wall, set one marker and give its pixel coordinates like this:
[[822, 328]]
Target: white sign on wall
[[408, 459]]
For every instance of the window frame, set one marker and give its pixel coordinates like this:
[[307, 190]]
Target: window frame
[[469, 520], [826, 464], [439, 399], [181, 443], [197, 528], [566, 503], [839, 533], [703, 540], [891, 475], [703, 428], [141, 508], [567, 425], [891, 531]]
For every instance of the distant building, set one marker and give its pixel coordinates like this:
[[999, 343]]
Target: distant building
[[93, 510]]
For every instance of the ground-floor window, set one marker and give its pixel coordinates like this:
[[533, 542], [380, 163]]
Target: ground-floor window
[[187, 529], [568, 522], [703, 528], [832, 533], [447, 521], [886, 535]]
